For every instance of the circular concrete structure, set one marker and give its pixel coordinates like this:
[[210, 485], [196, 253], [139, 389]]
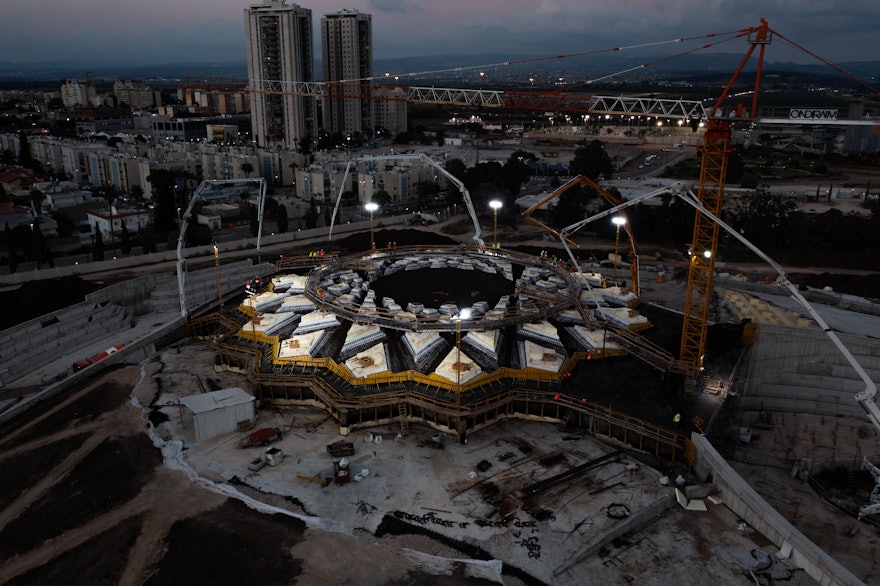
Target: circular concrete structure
[[538, 289], [453, 356]]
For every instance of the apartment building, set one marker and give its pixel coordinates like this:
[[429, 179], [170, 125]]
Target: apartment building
[[136, 94], [347, 51], [278, 36], [75, 93]]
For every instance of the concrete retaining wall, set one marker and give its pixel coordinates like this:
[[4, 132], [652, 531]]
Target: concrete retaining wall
[[111, 309], [742, 499], [801, 370], [132, 262], [36, 341], [201, 286], [132, 354], [131, 292]]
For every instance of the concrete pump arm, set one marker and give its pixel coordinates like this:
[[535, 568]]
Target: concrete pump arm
[[411, 157], [865, 398], [184, 223]]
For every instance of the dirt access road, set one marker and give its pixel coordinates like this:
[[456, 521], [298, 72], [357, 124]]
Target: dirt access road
[[85, 498]]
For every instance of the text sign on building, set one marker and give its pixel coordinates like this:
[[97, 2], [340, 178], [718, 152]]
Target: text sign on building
[[812, 114]]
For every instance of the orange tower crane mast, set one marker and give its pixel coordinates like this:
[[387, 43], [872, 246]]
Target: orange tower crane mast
[[713, 171]]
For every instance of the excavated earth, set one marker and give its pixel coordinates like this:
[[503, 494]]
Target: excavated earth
[[86, 499]]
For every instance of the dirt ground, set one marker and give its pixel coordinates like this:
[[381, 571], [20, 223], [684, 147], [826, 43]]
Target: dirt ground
[[85, 499]]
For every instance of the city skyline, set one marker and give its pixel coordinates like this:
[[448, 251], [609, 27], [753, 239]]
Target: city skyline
[[212, 31]]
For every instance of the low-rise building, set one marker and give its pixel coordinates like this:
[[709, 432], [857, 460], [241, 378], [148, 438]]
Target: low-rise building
[[134, 220]]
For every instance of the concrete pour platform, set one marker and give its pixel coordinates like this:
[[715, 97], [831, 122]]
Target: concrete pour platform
[[613, 522]]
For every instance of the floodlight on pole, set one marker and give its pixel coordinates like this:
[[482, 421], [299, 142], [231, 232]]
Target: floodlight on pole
[[371, 207], [618, 221], [495, 205]]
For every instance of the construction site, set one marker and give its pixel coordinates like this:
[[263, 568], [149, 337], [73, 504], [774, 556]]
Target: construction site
[[534, 472], [446, 410]]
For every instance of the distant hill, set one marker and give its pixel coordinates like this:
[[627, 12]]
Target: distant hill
[[425, 69]]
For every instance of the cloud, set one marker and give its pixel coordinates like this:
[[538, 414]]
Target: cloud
[[214, 29], [395, 7]]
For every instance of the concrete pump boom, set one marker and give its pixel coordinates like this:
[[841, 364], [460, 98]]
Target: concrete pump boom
[[410, 157]]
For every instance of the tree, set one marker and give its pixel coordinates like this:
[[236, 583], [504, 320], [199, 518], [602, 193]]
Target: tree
[[293, 167], [254, 220], [66, 227], [591, 160], [110, 192], [735, 167], [382, 198], [457, 169], [516, 171], [24, 150], [762, 219], [10, 244], [311, 216], [164, 183], [748, 180], [198, 235], [125, 240], [281, 220], [571, 205], [37, 198], [99, 245], [328, 141], [39, 246], [304, 147], [148, 240], [7, 157], [246, 168]]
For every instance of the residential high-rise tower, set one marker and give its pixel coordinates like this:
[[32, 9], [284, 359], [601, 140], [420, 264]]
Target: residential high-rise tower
[[347, 51], [279, 41]]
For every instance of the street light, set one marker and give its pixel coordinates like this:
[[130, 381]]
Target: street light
[[463, 314], [217, 270], [371, 207], [617, 221], [495, 205]]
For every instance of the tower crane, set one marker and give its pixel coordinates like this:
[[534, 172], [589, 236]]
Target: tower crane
[[715, 150], [713, 172]]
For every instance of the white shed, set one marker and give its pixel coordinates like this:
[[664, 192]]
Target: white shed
[[220, 412]]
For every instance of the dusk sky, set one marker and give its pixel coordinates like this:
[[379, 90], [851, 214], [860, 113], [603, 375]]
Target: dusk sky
[[177, 31]]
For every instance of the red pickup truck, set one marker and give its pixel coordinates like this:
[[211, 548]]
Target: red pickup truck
[[262, 437]]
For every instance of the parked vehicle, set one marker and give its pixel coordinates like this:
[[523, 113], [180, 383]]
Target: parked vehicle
[[262, 437]]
